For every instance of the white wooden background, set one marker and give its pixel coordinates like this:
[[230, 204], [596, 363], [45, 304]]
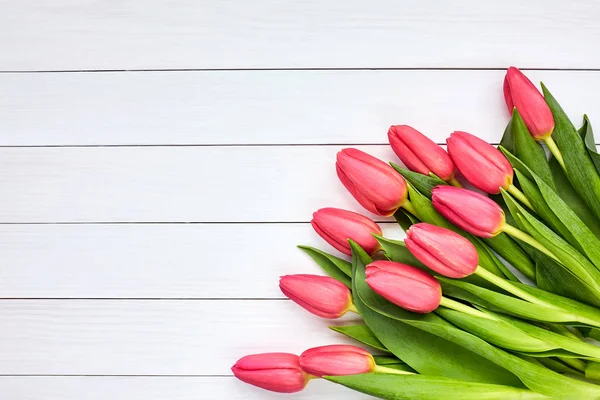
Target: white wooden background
[[160, 160]]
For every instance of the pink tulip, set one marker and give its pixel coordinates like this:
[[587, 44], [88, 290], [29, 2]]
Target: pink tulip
[[337, 226], [442, 250], [404, 285], [336, 360], [521, 93], [419, 153], [373, 183], [484, 166], [469, 210], [321, 295], [277, 372]]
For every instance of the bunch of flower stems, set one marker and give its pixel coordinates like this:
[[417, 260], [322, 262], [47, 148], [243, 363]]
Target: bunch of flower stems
[[495, 290]]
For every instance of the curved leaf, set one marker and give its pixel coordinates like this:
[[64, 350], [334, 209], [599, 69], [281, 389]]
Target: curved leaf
[[423, 183], [362, 334], [524, 147], [333, 266], [587, 134], [579, 167], [410, 387]]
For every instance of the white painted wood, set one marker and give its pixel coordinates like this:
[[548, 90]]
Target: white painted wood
[[205, 184], [158, 388], [265, 107], [156, 261], [147, 337], [67, 34]]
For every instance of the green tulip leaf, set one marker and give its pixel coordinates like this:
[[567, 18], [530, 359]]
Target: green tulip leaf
[[510, 250], [496, 332], [570, 313], [527, 150], [558, 366], [566, 254], [587, 134], [536, 378], [580, 168], [387, 360], [409, 387], [554, 277], [550, 206], [423, 183], [566, 191], [362, 334], [404, 218], [333, 266], [395, 250]]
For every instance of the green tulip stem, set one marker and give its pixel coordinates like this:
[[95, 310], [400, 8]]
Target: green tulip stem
[[352, 308], [512, 189], [452, 181], [387, 370], [508, 286], [455, 305], [524, 237], [408, 206], [555, 151]]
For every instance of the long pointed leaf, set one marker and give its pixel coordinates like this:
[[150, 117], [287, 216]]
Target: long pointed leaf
[[410, 387], [333, 266], [579, 166]]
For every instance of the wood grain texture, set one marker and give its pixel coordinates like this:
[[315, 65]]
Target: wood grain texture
[[134, 337], [265, 107], [157, 388], [171, 184], [138, 34], [155, 261]]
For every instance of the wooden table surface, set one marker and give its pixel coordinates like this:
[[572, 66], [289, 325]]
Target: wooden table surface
[[160, 160]]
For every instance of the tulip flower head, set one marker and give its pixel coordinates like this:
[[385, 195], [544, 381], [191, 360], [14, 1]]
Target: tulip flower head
[[336, 226], [419, 153], [336, 360], [404, 285], [320, 295], [484, 166], [521, 93], [277, 372], [469, 210], [373, 183], [442, 250]]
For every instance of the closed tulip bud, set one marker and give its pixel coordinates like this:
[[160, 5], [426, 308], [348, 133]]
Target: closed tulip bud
[[404, 285], [373, 183], [337, 226], [321, 295], [521, 93], [442, 250], [469, 210], [336, 360], [419, 153], [484, 166], [277, 372]]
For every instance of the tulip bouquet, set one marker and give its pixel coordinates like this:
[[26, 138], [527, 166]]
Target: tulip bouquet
[[495, 291]]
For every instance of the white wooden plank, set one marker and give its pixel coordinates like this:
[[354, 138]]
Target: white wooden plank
[[184, 184], [67, 34], [265, 107], [93, 337], [155, 261], [158, 388]]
